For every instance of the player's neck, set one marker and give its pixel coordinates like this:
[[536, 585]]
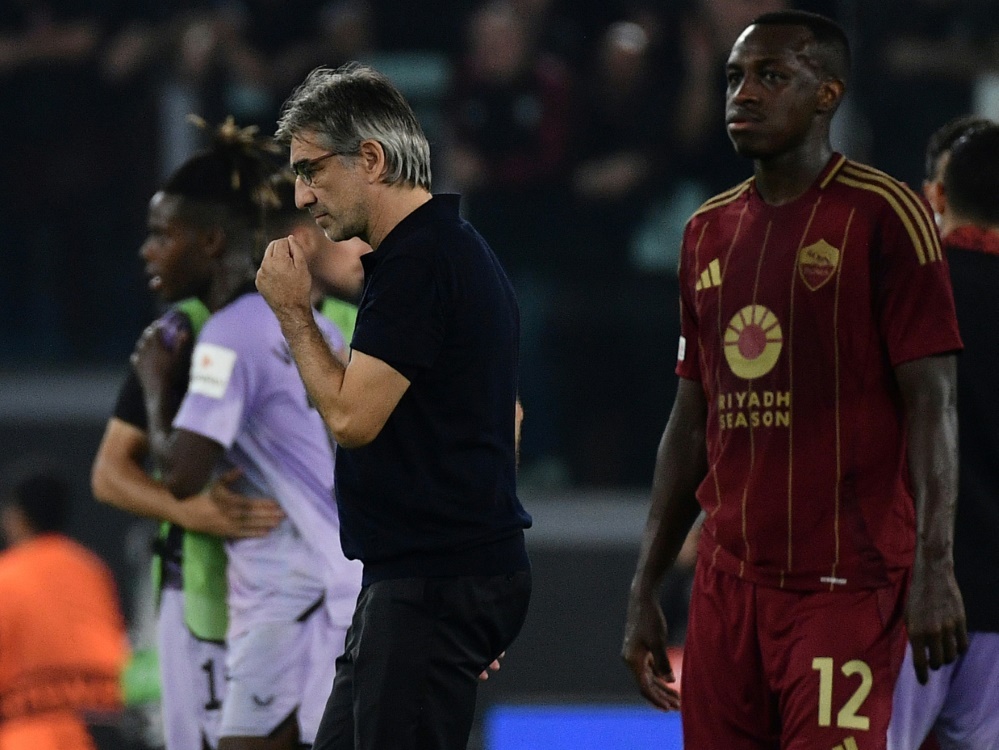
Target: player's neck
[[228, 285], [786, 177]]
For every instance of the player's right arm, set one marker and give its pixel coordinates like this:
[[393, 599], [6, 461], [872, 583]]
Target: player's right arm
[[935, 617], [118, 478], [681, 465], [355, 399]]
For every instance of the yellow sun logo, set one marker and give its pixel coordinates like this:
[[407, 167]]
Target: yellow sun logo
[[752, 342]]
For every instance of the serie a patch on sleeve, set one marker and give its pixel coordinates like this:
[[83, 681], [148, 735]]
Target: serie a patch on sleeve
[[211, 370], [681, 351]]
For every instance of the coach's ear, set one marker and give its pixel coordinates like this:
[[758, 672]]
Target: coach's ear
[[373, 161]]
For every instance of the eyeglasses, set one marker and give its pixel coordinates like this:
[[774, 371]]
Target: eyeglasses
[[305, 169]]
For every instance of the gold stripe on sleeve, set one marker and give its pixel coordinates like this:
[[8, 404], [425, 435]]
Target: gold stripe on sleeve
[[914, 202], [906, 205]]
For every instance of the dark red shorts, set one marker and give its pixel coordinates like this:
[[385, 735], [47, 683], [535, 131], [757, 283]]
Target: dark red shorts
[[766, 668]]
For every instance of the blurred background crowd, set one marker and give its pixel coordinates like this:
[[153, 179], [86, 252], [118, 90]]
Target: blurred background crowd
[[581, 134]]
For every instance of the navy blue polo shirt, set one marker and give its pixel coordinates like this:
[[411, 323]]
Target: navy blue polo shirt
[[434, 494]]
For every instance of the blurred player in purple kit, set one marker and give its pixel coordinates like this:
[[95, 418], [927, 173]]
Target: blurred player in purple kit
[[290, 593], [960, 702], [189, 565], [815, 405]]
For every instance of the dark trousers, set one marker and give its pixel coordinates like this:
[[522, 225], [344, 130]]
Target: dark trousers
[[416, 646]]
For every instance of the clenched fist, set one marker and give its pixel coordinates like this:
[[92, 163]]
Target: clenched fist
[[284, 280]]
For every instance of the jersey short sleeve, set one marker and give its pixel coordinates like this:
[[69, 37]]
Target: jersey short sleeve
[[402, 316], [914, 297], [219, 389], [130, 406], [687, 355]]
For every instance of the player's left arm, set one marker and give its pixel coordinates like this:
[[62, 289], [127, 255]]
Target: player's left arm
[[189, 462], [935, 612]]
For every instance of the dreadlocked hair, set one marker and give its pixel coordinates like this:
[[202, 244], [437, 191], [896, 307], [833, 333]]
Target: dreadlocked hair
[[233, 172]]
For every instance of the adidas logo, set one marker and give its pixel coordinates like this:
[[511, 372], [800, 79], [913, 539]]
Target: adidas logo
[[710, 276]]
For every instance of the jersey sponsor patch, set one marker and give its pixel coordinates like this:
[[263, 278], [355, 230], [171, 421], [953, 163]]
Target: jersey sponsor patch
[[753, 342], [681, 351], [211, 368]]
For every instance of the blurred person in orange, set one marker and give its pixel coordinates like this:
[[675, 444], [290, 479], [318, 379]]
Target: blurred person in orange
[[62, 634]]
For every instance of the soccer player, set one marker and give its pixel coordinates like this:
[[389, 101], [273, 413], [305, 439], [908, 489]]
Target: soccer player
[[423, 414], [814, 425], [189, 565], [960, 702], [62, 635], [291, 592]]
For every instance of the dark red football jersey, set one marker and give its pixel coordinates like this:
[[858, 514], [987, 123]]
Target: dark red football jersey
[[792, 319]]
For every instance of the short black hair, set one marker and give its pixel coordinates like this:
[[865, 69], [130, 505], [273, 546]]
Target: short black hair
[[946, 135], [971, 179], [45, 500], [829, 36]]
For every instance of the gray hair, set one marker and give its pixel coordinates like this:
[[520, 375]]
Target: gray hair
[[355, 103]]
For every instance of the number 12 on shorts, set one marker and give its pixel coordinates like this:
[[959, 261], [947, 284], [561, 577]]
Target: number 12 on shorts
[[847, 717]]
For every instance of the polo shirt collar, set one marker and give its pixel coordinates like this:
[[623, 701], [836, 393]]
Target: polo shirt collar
[[444, 205]]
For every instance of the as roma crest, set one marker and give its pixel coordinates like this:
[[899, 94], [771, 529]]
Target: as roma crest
[[817, 263]]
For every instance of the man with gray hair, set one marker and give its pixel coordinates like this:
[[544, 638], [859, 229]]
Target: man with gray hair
[[423, 414]]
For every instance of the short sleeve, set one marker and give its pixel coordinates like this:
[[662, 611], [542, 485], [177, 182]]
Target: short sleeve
[[218, 391], [916, 310], [402, 319], [688, 347], [131, 406]]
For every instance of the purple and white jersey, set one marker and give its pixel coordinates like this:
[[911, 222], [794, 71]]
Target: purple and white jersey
[[245, 393]]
